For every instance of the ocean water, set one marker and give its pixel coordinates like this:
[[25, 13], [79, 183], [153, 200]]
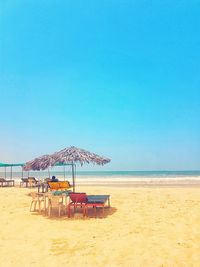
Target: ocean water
[[114, 176]]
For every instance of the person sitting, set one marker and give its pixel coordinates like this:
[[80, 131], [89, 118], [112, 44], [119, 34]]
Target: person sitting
[[54, 179]]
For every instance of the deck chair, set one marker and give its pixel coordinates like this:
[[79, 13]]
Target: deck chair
[[77, 200], [32, 182], [63, 185], [24, 181], [86, 201], [95, 201], [53, 185], [4, 182]]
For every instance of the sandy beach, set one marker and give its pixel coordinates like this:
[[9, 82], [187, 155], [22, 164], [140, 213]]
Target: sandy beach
[[145, 227], [100, 98]]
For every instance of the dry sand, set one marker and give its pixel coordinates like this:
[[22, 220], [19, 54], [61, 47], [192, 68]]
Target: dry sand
[[145, 227]]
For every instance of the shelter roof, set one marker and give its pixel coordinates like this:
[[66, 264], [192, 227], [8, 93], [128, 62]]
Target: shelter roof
[[11, 164]]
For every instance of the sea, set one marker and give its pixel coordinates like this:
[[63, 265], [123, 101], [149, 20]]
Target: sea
[[104, 177]]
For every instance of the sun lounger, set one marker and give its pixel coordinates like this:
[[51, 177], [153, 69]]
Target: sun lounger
[[77, 200], [86, 201], [24, 181], [32, 182], [4, 182], [95, 201]]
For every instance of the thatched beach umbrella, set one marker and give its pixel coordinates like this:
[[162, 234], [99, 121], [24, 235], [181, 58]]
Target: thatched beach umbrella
[[69, 156], [76, 155], [40, 163]]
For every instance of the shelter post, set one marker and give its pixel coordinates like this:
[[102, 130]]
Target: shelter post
[[49, 174], [11, 172], [64, 172], [22, 173], [73, 176]]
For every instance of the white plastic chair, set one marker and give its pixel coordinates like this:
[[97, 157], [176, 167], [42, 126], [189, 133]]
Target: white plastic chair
[[55, 202], [36, 199]]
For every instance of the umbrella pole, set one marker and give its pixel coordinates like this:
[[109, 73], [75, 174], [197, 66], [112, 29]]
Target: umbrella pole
[[73, 177], [49, 173], [64, 173], [5, 172], [22, 173]]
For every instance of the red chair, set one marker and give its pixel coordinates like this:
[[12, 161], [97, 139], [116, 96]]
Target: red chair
[[77, 200]]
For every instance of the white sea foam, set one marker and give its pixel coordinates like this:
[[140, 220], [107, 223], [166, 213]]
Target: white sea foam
[[126, 179], [119, 178]]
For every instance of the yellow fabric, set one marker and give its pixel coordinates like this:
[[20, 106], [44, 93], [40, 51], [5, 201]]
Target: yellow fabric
[[59, 185], [53, 185], [64, 185]]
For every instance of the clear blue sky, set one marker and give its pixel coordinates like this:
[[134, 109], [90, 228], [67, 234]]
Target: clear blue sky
[[119, 78]]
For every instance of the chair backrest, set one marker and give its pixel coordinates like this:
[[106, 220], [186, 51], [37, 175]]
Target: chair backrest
[[64, 184], [54, 200], [24, 180], [32, 181], [34, 195], [78, 197], [32, 178], [53, 185], [59, 185]]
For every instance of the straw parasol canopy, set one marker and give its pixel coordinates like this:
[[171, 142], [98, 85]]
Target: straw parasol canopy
[[66, 155], [40, 163], [77, 155], [70, 156]]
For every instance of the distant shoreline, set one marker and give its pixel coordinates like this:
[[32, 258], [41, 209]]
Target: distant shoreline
[[105, 178], [112, 179], [142, 185], [121, 182]]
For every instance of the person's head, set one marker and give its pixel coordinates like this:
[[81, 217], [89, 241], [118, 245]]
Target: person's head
[[53, 177]]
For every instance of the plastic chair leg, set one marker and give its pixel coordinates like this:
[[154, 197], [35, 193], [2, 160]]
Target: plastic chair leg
[[35, 204], [49, 211], [69, 211], [31, 205]]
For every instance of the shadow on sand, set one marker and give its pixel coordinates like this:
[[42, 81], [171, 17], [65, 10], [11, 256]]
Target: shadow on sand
[[78, 215]]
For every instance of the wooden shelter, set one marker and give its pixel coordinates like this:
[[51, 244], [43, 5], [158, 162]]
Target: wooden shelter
[[11, 165]]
